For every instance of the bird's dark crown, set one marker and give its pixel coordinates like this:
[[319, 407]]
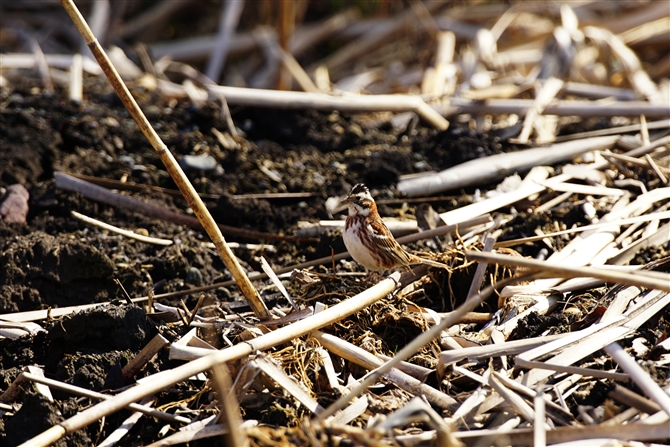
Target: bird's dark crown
[[358, 189]]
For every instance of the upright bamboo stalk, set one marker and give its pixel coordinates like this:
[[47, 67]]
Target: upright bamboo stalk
[[170, 163], [286, 29]]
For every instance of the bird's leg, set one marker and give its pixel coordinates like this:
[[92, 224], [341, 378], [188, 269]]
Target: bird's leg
[[367, 279]]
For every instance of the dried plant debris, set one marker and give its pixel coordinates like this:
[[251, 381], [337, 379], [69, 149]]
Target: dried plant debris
[[524, 146]]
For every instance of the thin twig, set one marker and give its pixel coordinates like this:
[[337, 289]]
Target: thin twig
[[117, 230], [528, 364]]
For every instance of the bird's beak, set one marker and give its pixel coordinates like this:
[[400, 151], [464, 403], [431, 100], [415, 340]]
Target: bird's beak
[[346, 201]]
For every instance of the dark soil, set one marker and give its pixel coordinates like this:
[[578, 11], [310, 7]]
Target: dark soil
[[56, 260]]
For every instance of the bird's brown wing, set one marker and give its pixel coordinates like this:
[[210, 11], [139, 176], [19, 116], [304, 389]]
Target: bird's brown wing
[[382, 238]]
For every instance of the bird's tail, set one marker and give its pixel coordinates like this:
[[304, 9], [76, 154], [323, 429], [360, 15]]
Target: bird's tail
[[437, 264]]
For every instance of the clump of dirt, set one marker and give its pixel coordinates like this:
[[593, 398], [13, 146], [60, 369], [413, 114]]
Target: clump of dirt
[[36, 415], [44, 270], [88, 350]]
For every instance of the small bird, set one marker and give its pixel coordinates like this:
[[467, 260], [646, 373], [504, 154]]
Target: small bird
[[367, 238]]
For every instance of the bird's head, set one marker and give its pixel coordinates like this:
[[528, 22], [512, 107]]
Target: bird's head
[[359, 200]]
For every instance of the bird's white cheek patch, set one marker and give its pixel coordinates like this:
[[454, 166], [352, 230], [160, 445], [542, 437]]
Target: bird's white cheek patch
[[365, 212]]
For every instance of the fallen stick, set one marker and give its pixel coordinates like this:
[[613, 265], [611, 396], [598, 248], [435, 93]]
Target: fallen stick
[[78, 391], [545, 94], [277, 374], [103, 195], [118, 434], [229, 409], [529, 364], [524, 436], [592, 91], [662, 124], [520, 406], [323, 101], [632, 399], [639, 376], [144, 356], [491, 204], [230, 16], [138, 187], [62, 61]]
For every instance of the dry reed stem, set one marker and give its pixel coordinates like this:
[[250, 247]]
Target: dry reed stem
[[527, 364], [286, 28], [486, 206], [639, 376], [298, 73], [539, 424], [524, 436], [632, 399], [230, 16], [561, 108], [228, 407], [189, 193], [76, 84], [78, 391], [114, 437], [142, 358], [619, 130], [494, 167], [517, 403]]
